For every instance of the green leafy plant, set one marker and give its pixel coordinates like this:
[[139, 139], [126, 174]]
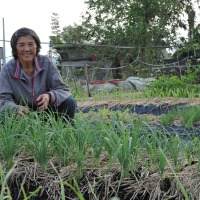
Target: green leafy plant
[[189, 116], [5, 191], [178, 181], [175, 148], [174, 86], [75, 188], [32, 195], [11, 132], [38, 139], [168, 118]]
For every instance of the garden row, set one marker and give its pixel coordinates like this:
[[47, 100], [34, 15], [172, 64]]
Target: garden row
[[103, 155]]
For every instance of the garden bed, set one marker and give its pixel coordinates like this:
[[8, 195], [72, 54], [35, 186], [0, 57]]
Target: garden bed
[[150, 107], [108, 155]]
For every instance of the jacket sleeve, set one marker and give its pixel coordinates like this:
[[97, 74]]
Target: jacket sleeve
[[6, 92], [59, 90]]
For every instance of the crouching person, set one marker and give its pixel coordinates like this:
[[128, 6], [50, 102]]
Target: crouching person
[[30, 81]]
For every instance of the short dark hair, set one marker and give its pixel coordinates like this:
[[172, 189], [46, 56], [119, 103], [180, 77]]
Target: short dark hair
[[21, 33]]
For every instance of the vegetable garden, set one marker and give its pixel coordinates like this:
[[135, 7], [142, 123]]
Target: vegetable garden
[[105, 153]]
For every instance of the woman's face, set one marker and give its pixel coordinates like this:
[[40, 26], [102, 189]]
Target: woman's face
[[26, 49]]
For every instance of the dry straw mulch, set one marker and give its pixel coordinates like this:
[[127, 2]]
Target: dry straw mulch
[[102, 182], [144, 101]]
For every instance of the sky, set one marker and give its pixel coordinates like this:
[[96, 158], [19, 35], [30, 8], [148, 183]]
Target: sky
[[36, 14]]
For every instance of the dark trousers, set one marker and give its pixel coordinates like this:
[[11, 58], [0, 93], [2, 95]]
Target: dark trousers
[[66, 109]]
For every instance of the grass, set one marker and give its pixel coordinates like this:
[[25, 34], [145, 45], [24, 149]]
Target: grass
[[188, 116], [169, 118], [5, 191], [11, 133], [38, 139], [111, 95]]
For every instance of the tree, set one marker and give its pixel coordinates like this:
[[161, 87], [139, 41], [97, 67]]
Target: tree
[[55, 27], [56, 38], [74, 34], [138, 23], [141, 24]]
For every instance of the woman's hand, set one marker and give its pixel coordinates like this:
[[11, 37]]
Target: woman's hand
[[43, 101], [22, 111]]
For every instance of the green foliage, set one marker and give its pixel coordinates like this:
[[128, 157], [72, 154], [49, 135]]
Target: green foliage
[[136, 23], [60, 141], [55, 26], [189, 116], [107, 139], [141, 18], [5, 192], [183, 190], [38, 138], [169, 118], [124, 140], [157, 140], [74, 34], [191, 47], [11, 135], [174, 147], [32, 195], [141, 24], [175, 86]]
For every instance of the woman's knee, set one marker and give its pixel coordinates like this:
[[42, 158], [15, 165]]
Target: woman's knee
[[69, 105]]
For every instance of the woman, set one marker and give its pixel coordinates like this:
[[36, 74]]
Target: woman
[[31, 81]]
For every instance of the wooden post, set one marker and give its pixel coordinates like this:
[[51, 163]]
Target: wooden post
[[87, 80], [74, 78]]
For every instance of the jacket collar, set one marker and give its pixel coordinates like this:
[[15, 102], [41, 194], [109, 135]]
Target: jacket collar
[[18, 68]]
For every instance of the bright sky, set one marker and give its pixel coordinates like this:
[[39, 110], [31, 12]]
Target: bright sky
[[36, 14]]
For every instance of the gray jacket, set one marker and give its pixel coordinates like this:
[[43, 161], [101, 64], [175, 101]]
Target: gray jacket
[[17, 89]]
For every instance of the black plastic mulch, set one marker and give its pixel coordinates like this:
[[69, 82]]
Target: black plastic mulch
[[138, 109], [183, 132], [186, 133]]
